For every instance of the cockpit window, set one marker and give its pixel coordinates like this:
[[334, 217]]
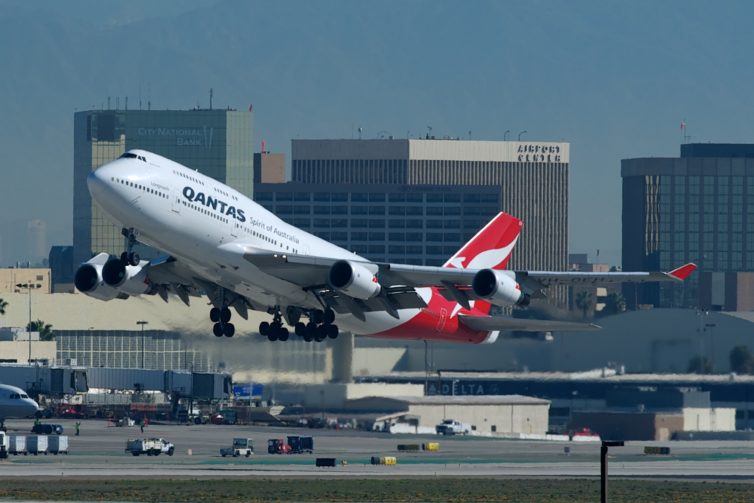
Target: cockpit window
[[129, 155], [14, 396], [24, 395]]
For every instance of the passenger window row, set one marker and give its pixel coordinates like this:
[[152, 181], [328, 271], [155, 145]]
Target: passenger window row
[[138, 186]]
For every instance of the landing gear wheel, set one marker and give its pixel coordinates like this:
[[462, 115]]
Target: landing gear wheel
[[124, 258], [328, 317], [316, 316], [217, 329], [264, 328], [225, 315], [332, 331], [321, 333], [283, 334], [300, 329], [272, 336], [214, 314], [134, 258], [229, 330]]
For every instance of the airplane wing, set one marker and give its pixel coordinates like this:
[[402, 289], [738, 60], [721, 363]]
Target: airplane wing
[[491, 323], [453, 283]]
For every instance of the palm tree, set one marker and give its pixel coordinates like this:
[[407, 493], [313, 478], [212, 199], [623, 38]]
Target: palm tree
[[3, 305], [584, 302], [44, 329]]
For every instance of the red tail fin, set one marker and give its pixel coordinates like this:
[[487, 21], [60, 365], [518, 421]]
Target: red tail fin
[[490, 248]]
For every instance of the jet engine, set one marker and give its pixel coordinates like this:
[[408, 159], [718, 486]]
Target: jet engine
[[354, 280], [88, 279], [129, 279], [499, 288]]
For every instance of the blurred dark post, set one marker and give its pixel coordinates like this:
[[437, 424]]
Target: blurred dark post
[[603, 466]]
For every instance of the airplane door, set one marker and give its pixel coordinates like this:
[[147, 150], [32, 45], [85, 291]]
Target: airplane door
[[234, 229], [176, 200]]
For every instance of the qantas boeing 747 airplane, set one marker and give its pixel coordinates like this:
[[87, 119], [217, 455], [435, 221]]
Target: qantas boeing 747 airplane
[[223, 245]]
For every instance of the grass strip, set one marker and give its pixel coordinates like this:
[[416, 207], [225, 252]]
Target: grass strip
[[373, 490]]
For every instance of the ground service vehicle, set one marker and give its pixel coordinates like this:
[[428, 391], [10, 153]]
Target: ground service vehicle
[[150, 446], [278, 446], [4, 445], [240, 447], [47, 429], [452, 427], [300, 445]]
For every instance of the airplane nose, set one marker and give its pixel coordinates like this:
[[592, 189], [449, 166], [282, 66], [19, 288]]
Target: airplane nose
[[95, 182]]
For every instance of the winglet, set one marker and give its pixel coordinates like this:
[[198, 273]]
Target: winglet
[[682, 272]]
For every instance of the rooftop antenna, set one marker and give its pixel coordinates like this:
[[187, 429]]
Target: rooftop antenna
[[126, 102], [685, 136], [117, 102], [505, 135], [210, 98], [108, 102]]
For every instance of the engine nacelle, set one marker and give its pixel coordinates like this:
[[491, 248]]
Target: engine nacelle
[[88, 279], [499, 288], [354, 280], [129, 279]]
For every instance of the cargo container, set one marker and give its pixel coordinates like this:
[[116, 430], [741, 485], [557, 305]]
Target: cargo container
[[36, 444], [4, 445], [18, 445], [57, 444]]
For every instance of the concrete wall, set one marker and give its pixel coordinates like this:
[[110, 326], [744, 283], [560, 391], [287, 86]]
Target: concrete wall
[[716, 419], [487, 418], [39, 278], [18, 351]]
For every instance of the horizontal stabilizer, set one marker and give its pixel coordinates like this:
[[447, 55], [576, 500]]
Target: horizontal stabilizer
[[492, 323]]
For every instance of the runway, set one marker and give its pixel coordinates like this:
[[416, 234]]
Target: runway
[[99, 452]]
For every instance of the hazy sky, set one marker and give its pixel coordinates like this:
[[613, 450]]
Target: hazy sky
[[613, 78]]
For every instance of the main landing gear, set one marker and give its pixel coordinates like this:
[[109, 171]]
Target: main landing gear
[[274, 331], [320, 326], [222, 325], [129, 257]]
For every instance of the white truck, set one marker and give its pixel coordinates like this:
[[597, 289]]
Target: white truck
[[4, 445], [452, 427], [240, 447], [150, 446]]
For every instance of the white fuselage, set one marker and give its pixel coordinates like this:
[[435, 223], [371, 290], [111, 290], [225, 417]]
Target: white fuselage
[[208, 226], [15, 403]]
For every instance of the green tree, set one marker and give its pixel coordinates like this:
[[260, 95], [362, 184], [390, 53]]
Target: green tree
[[584, 301], [44, 329], [614, 304], [3, 305], [741, 360], [700, 365]]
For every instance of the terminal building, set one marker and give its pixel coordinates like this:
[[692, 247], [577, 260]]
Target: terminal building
[[218, 143], [698, 207]]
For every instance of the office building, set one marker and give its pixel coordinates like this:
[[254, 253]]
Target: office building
[[696, 208], [218, 143], [417, 201]]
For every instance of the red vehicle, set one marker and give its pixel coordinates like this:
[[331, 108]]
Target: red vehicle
[[278, 446]]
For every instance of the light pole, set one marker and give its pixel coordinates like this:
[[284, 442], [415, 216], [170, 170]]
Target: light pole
[[142, 323], [29, 287], [520, 133]]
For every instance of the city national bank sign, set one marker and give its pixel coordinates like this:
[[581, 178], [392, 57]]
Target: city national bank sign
[[183, 137]]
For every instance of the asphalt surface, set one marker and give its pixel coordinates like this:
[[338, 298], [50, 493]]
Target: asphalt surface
[[100, 452]]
